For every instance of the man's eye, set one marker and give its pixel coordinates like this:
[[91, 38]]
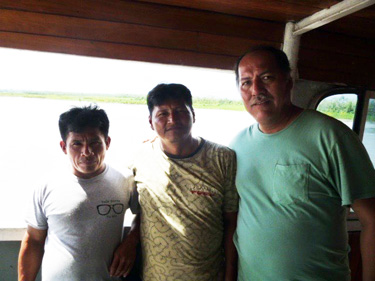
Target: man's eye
[[163, 114], [76, 143], [267, 78], [245, 83]]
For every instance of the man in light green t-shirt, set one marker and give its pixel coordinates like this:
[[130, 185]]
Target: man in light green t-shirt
[[297, 172], [187, 196]]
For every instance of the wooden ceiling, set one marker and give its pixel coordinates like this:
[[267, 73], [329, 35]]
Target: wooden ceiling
[[206, 33]]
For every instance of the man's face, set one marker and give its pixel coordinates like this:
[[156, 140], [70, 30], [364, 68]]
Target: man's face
[[86, 152], [265, 89], [172, 121]]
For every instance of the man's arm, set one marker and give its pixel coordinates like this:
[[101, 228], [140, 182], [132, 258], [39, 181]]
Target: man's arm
[[230, 224], [31, 254], [125, 254], [365, 210]]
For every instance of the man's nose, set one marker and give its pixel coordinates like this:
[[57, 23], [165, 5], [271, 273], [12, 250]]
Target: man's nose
[[257, 87], [172, 117], [86, 150]]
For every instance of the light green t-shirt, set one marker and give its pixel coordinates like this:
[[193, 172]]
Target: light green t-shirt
[[182, 203], [293, 188]]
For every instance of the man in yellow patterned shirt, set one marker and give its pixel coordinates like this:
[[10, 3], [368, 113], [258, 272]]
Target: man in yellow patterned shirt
[[187, 195]]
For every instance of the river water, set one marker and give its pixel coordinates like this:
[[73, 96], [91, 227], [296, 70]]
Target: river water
[[30, 143]]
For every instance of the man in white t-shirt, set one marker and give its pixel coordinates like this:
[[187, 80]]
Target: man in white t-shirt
[[75, 220]]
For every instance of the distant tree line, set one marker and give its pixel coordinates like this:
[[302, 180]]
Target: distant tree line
[[344, 108], [371, 111]]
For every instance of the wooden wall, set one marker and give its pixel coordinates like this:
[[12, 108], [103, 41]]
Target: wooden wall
[[131, 30], [334, 57], [135, 30]]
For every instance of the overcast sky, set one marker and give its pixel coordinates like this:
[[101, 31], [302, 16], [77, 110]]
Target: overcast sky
[[49, 72]]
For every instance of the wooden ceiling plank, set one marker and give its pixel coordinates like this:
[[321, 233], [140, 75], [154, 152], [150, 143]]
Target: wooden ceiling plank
[[235, 46], [255, 9], [114, 51], [70, 27], [144, 14], [274, 10], [78, 28]]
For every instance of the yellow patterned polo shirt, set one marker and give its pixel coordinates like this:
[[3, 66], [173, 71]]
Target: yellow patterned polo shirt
[[182, 203]]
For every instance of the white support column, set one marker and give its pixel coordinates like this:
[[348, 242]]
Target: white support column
[[291, 48]]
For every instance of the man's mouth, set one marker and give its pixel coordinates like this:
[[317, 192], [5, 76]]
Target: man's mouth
[[260, 100], [175, 128], [88, 161]]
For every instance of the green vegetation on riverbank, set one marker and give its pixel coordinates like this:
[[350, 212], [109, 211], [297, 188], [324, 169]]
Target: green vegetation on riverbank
[[128, 99], [340, 107]]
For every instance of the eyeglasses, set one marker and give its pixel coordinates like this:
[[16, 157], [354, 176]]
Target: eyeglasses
[[104, 209]]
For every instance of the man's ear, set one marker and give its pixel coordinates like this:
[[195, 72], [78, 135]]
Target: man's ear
[[63, 146], [108, 142], [193, 116], [150, 121]]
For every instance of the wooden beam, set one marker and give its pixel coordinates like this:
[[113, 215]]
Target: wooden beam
[[136, 12], [114, 50], [274, 10], [104, 31], [123, 33]]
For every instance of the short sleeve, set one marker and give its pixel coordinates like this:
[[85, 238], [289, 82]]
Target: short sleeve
[[351, 169], [35, 216], [133, 200]]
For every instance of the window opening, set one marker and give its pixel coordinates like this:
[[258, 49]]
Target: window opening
[[369, 131], [340, 106], [30, 142]]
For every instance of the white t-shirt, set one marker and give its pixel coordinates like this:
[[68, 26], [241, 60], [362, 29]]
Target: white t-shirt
[[84, 219]]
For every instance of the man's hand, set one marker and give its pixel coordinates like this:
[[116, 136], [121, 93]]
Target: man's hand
[[125, 254], [123, 259]]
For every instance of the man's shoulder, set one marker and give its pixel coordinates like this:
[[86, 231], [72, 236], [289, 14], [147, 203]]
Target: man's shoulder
[[209, 145], [122, 172], [147, 146], [241, 136], [323, 122], [312, 115], [144, 153], [55, 177]]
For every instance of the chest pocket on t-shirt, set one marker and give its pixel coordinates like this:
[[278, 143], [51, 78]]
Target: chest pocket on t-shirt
[[290, 183]]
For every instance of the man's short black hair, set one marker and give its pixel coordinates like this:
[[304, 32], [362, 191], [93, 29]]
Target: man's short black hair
[[164, 92], [280, 58], [78, 119]]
